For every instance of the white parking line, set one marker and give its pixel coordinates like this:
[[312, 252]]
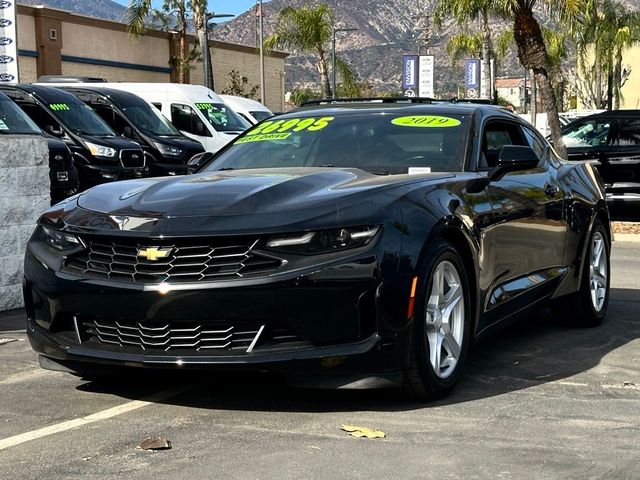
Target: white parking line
[[95, 417]]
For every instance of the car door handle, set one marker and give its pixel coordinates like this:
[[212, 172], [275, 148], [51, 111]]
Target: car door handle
[[550, 190]]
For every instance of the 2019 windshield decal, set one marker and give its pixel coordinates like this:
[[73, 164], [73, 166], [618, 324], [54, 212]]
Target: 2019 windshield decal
[[426, 121]]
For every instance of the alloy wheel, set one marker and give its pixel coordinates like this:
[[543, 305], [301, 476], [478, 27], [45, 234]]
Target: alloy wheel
[[598, 271], [445, 319]]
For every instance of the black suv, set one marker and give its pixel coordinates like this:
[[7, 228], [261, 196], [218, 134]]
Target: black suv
[[611, 142]]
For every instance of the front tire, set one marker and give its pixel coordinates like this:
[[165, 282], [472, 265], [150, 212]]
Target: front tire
[[588, 306], [442, 326]]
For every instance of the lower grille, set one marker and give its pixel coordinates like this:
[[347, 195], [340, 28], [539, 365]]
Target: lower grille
[[132, 158], [180, 260], [195, 337]]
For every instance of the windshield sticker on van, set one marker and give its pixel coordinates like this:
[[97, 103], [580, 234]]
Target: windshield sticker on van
[[59, 106], [426, 121], [204, 106], [3, 126], [292, 124], [264, 137]]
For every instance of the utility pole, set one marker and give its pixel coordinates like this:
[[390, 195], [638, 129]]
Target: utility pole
[[335, 30], [261, 39]]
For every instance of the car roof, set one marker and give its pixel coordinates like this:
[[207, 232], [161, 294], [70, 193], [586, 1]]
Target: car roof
[[248, 103], [118, 97], [416, 108], [46, 94]]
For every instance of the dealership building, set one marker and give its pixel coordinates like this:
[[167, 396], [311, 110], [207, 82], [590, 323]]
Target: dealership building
[[56, 42]]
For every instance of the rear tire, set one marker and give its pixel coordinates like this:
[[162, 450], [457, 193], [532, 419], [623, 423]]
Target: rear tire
[[442, 325], [588, 306]]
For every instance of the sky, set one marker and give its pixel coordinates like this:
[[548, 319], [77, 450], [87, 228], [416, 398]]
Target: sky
[[235, 7]]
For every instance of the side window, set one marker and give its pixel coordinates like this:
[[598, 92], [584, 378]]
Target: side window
[[534, 142], [589, 133], [39, 115], [186, 119], [157, 105], [495, 136], [628, 133]]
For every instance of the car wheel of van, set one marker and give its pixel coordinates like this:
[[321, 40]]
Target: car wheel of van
[[442, 325], [588, 306]]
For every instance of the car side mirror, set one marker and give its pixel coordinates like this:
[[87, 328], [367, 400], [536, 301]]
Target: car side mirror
[[55, 130], [199, 127], [197, 161], [127, 131], [513, 158]]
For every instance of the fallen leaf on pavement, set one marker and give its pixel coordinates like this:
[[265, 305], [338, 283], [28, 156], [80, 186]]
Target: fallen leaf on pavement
[[360, 432], [155, 443]]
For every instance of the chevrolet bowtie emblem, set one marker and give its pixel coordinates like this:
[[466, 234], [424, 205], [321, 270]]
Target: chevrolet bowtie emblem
[[153, 253]]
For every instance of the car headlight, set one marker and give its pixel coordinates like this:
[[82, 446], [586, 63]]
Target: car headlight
[[59, 240], [168, 150], [100, 150], [324, 241]]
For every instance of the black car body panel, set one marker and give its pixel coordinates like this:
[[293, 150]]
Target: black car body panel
[[47, 107], [119, 109], [228, 293], [610, 141]]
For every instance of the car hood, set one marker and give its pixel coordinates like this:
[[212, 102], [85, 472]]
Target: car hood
[[240, 192]]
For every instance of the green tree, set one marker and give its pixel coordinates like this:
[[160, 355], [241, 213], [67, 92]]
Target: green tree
[[307, 30], [238, 85]]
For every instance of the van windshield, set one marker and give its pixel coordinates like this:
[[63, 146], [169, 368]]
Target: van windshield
[[14, 121], [80, 118], [149, 120], [260, 115], [222, 119]]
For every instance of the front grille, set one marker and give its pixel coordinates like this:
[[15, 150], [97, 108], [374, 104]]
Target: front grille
[[132, 158], [178, 336], [186, 260]]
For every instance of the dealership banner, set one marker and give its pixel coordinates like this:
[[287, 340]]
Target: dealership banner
[[409, 74], [425, 76], [8, 42], [472, 78]]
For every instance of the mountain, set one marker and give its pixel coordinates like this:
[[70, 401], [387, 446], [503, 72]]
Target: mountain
[[105, 9], [387, 29]]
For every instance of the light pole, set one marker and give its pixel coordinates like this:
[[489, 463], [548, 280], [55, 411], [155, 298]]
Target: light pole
[[335, 30], [261, 28], [208, 74]]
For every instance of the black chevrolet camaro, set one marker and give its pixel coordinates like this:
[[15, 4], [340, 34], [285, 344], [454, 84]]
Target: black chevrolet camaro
[[370, 238]]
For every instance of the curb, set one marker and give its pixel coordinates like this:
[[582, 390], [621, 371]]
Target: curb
[[626, 237]]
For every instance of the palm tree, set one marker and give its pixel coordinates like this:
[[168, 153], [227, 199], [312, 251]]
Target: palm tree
[[462, 45], [306, 29], [464, 11], [175, 11]]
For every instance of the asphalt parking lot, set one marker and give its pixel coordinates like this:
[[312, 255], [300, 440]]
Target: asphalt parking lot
[[538, 401]]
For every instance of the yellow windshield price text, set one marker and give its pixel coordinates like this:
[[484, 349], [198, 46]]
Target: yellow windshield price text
[[263, 137], [292, 124], [426, 121], [59, 106]]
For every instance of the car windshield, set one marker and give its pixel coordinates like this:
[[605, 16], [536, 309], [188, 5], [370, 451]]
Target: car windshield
[[260, 115], [14, 121], [222, 119], [149, 120], [589, 133], [80, 118], [377, 142]]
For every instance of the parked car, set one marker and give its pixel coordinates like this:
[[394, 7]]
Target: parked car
[[610, 141], [195, 110], [63, 175], [100, 155], [367, 237], [251, 110], [166, 150]]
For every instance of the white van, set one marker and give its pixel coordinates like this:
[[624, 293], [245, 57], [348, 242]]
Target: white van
[[195, 110], [249, 109]]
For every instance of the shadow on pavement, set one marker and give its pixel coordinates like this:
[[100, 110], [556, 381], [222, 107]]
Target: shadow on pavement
[[532, 351]]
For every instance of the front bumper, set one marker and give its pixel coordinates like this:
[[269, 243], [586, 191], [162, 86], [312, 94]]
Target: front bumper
[[333, 318]]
